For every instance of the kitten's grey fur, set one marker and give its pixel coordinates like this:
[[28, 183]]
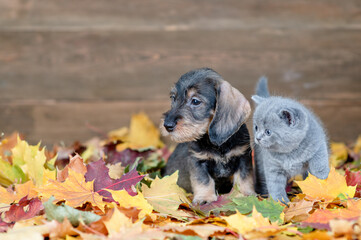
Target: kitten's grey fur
[[289, 140]]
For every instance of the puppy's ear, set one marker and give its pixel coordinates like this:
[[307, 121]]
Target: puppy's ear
[[232, 110]]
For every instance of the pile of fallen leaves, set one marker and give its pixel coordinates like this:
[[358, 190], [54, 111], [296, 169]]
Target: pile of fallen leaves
[[112, 189]]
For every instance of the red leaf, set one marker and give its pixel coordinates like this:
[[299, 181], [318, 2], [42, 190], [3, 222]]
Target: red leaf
[[24, 209], [354, 179], [98, 172]]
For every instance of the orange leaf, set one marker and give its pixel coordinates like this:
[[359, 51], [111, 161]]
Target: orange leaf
[[74, 190], [328, 189], [76, 163]]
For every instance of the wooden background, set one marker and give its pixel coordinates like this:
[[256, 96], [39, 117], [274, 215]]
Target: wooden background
[[69, 66]]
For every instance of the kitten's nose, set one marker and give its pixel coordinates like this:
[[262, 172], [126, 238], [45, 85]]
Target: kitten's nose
[[258, 139], [169, 126]]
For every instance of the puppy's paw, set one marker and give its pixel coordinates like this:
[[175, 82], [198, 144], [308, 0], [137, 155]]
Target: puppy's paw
[[200, 200]]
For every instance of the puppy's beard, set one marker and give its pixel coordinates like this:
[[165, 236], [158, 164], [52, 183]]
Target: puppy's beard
[[186, 131], [163, 131]]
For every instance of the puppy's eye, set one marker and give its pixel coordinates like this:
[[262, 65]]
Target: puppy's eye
[[195, 101], [268, 132], [255, 128]]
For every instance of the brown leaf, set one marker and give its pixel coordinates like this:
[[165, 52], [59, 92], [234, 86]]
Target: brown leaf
[[298, 211]]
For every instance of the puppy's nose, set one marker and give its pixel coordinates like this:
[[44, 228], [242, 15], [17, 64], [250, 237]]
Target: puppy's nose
[[170, 126]]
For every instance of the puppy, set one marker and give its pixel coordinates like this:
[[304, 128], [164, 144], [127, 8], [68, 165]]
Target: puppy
[[207, 118]]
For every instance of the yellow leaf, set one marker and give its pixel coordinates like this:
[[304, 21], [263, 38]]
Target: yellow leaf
[[243, 224], [119, 134], [74, 190], [26, 189], [142, 134], [338, 154], [6, 196], [357, 148], [165, 195], [31, 160], [328, 189], [127, 201], [117, 222]]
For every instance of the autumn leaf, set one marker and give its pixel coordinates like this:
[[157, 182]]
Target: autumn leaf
[[142, 134], [74, 190], [202, 230], [165, 195], [338, 154], [328, 189], [357, 147], [354, 179], [254, 225], [298, 211], [119, 222], [10, 173], [26, 208], [59, 213], [76, 163], [126, 157], [99, 174], [127, 201], [31, 160]]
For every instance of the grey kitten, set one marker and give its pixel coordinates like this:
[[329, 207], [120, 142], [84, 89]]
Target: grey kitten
[[289, 140]]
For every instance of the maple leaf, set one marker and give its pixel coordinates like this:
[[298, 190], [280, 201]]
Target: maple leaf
[[24, 209], [298, 211], [354, 179], [142, 134], [357, 147], [21, 190], [338, 154], [236, 201], [31, 160], [256, 223], [126, 157], [127, 201], [321, 217], [59, 213], [74, 190], [76, 163], [328, 189], [203, 230], [99, 173], [165, 195], [10, 173], [118, 221]]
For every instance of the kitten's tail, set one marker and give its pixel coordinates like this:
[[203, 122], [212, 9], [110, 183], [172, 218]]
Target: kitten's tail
[[262, 88]]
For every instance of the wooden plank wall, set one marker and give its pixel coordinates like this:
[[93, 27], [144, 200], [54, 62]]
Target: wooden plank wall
[[69, 66]]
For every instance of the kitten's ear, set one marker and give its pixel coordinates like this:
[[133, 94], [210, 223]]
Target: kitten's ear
[[257, 99], [292, 117], [232, 110]]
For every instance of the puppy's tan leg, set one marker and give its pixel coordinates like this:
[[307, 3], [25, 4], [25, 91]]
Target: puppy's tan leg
[[245, 185], [203, 192]]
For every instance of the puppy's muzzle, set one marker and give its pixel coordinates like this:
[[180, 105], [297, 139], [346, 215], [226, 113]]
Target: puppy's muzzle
[[170, 123]]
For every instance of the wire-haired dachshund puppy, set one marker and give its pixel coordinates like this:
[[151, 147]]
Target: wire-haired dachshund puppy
[[207, 119]]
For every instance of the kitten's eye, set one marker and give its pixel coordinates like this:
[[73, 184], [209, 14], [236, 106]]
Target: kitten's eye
[[195, 101], [255, 128], [172, 97], [268, 132]]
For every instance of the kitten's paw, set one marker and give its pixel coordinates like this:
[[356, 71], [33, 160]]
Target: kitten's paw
[[281, 198], [322, 174], [200, 200]]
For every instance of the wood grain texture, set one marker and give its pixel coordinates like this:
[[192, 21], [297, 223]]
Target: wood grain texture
[[68, 64]]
